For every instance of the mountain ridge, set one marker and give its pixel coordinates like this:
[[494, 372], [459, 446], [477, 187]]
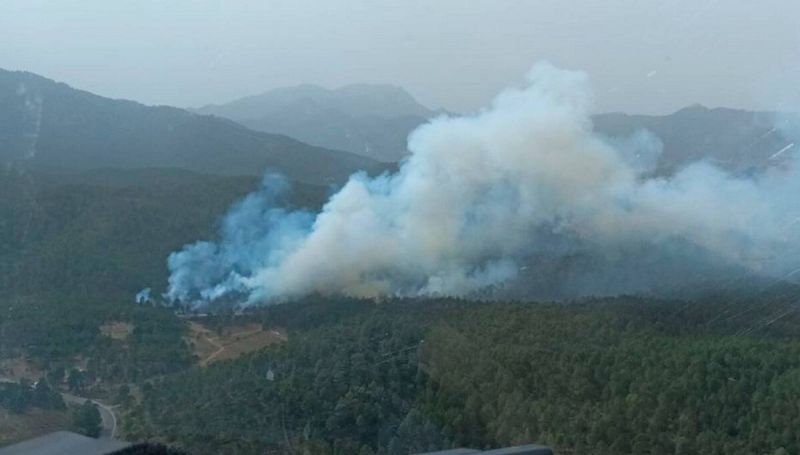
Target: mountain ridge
[[372, 120], [737, 140], [44, 123], [400, 101]]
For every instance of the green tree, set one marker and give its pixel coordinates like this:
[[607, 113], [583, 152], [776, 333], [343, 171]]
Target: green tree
[[86, 419]]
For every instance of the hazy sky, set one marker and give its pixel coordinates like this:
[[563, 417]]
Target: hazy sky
[[642, 55]]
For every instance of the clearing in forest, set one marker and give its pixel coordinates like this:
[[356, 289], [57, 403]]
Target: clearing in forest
[[234, 341], [117, 330], [18, 367]]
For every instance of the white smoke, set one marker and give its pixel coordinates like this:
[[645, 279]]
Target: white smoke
[[143, 296], [479, 196]]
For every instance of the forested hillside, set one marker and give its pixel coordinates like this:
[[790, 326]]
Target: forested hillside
[[76, 247], [610, 376]]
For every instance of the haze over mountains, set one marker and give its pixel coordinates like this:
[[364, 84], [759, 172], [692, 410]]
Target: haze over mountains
[[49, 127], [369, 119], [45, 124], [375, 120], [735, 140], [527, 177]]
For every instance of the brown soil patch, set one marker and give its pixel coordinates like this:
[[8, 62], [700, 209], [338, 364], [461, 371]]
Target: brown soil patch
[[233, 342], [16, 368], [117, 330]]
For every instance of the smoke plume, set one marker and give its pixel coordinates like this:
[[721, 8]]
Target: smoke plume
[[143, 296], [494, 198]]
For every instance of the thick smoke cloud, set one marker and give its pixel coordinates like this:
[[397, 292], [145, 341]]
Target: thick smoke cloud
[[485, 199]]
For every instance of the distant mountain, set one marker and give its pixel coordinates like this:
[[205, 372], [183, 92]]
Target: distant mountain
[[368, 119], [49, 125], [359, 100], [375, 120], [737, 140]]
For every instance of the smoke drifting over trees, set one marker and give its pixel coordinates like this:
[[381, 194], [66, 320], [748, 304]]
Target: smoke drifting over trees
[[482, 195]]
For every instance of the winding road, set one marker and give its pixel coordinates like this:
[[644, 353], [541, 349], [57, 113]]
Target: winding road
[[109, 419]]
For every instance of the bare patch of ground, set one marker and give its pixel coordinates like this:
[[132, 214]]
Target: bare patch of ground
[[16, 368], [117, 330], [233, 342]]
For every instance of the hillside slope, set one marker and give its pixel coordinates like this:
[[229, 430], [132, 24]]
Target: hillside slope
[[375, 121], [45, 124], [737, 140], [76, 247], [371, 120], [110, 231], [601, 377]]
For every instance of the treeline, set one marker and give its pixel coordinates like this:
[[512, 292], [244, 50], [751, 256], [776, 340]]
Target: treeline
[[611, 376], [19, 397]]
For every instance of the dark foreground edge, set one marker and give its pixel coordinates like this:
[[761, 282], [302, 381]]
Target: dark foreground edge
[[68, 443], [530, 449]]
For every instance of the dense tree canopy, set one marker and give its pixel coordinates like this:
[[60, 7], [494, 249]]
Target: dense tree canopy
[[19, 397], [610, 376]]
